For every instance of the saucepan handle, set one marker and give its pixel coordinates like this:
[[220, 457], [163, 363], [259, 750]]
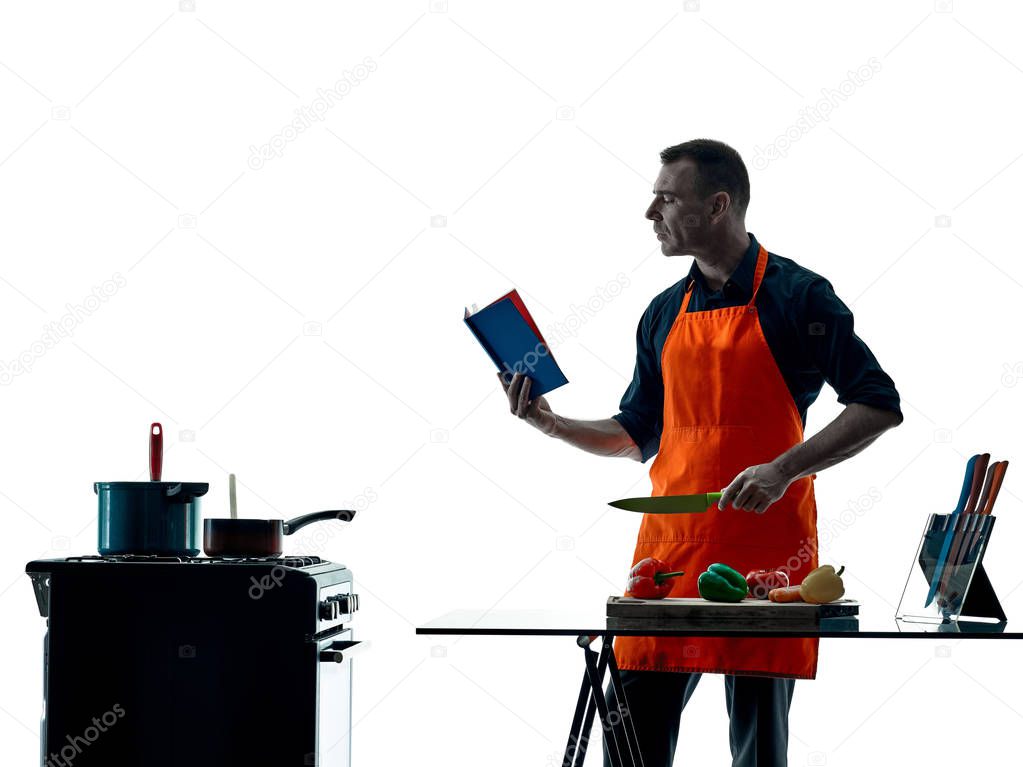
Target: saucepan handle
[[344, 515], [155, 452]]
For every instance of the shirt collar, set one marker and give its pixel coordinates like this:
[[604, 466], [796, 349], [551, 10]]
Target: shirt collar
[[742, 277]]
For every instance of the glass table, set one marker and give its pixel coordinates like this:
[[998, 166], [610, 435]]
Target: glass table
[[587, 627]]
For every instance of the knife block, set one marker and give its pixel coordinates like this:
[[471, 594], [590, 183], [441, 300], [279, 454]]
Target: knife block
[[964, 590]]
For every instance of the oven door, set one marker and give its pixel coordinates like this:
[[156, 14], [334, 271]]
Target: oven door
[[334, 704]]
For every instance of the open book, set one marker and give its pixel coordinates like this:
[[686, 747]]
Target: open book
[[510, 337]]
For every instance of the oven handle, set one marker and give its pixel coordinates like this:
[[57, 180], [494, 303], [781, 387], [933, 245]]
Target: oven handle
[[338, 652]]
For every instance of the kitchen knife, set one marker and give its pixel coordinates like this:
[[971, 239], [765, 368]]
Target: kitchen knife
[[978, 481], [985, 493], [974, 526], [950, 528], [965, 519], [996, 485], [669, 504], [979, 531], [987, 502]]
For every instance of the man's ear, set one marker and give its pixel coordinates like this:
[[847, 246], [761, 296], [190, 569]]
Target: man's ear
[[720, 204]]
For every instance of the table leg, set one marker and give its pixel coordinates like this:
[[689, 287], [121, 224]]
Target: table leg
[[575, 751], [582, 722], [624, 714], [597, 691], [616, 725]]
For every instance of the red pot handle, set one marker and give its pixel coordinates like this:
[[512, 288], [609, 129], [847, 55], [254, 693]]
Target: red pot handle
[[155, 452]]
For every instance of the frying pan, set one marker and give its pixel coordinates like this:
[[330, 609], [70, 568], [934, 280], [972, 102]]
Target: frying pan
[[258, 537]]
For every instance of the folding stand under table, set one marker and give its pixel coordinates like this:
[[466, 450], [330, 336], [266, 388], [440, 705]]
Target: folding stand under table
[[617, 728]]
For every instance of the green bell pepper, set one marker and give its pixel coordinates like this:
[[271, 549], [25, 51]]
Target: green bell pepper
[[720, 583]]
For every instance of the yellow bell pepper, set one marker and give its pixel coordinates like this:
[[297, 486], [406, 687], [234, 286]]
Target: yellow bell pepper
[[822, 585]]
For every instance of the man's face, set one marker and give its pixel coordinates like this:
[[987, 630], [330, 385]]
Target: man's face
[[679, 217]]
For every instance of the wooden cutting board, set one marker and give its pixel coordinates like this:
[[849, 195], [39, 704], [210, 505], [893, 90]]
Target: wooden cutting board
[[749, 612]]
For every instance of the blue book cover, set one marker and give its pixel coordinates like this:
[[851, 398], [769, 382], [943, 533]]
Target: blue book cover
[[507, 333]]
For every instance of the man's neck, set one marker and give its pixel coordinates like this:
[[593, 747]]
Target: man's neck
[[720, 262]]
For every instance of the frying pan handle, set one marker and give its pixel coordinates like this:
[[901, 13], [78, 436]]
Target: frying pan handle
[[344, 515], [155, 452]]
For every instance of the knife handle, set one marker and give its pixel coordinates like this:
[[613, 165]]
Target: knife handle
[[986, 490], [996, 485], [979, 468]]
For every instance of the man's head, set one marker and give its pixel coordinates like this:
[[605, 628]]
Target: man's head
[[700, 197]]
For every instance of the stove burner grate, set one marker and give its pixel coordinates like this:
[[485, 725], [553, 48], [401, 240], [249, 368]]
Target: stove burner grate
[[295, 561], [292, 561]]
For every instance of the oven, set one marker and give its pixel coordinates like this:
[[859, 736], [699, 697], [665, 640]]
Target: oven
[[334, 709], [196, 661]]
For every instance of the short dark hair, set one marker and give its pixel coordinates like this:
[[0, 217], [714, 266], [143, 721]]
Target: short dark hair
[[719, 168]]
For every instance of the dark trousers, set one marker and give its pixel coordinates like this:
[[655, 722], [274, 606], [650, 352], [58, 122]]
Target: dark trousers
[[758, 715]]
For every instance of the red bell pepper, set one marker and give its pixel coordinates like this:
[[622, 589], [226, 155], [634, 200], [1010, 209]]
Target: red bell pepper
[[761, 582], [650, 579]]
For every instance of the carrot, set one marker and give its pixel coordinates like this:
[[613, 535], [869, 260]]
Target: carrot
[[785, 594]]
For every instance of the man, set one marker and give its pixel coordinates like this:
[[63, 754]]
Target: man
[[728, 361]]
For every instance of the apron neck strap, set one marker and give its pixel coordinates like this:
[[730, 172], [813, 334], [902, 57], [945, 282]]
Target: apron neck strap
[[758, 277], [688, 295]]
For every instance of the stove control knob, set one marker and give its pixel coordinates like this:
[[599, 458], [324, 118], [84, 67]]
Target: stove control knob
[[331, 656], [348, 603], [328, 610]]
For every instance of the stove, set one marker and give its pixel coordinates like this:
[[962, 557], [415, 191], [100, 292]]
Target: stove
[[155, 661]]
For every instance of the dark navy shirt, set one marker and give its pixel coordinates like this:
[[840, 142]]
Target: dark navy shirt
[[808, 329]]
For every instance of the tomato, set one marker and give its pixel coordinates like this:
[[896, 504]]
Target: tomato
[[760, 582]]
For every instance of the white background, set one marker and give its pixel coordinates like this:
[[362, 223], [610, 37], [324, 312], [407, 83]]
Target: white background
[[301, 322]]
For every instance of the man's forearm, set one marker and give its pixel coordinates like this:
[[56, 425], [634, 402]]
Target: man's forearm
[[851, 431], [604, 437]]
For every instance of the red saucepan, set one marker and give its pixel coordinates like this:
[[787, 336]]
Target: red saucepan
[[258, 537]]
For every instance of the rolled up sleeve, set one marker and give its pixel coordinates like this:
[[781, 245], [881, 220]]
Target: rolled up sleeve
[[842, 357], [642, 406]]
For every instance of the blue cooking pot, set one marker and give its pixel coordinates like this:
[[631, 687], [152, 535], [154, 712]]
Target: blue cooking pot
[[158, 518]]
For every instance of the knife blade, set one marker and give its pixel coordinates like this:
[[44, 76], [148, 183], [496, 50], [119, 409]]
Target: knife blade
[[668, 504]]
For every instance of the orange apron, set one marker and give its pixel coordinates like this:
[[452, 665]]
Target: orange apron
[[726, 408]]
